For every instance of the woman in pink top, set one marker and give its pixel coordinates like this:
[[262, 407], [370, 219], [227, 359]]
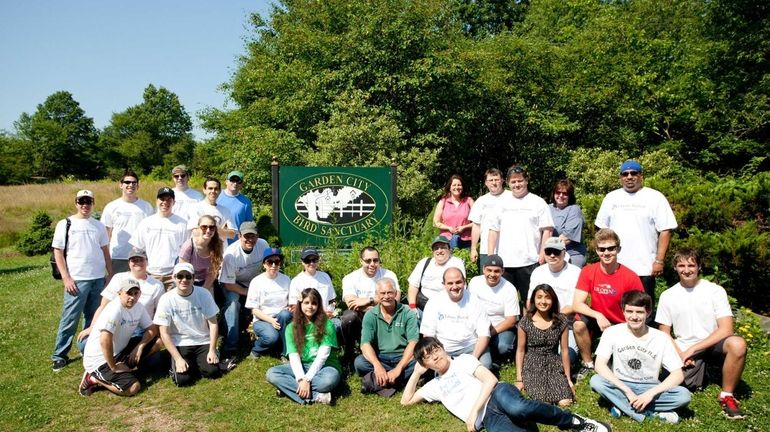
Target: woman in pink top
[[451, 215]]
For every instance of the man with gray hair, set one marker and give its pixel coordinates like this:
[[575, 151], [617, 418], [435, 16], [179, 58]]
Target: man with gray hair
[[388, 336]]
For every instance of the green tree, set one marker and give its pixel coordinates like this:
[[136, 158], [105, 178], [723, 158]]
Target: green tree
[[62, 139], [155, 134], [15, 159]]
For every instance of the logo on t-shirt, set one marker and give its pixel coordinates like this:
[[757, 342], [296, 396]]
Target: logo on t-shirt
[[605, 289], [635, 364]]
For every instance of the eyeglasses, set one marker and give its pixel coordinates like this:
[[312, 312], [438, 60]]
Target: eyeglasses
[[208, 227], [136, 260], [273, 262], [183, 276], [85, 201], [310, 260], [561, 193], [180, 176], [440, 246], [629, 173], [553, 252], [607, 249], [130, 182], [371, 260]]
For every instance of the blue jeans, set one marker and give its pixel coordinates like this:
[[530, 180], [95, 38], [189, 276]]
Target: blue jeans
[[282, 377], [389, 362], [85, 302], [231, 315], [485, 358], [508, 410], [502, 346], [669, 400], [268, 336]]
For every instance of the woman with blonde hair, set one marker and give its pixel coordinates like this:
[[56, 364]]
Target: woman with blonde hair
[[204, 251]]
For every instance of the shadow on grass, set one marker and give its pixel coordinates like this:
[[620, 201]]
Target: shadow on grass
[[20, 269]]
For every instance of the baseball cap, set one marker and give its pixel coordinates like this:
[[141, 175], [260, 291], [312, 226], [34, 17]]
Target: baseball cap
[[180, 169], [494, 261], [128, 284], [309, 252], [183, 266], [248, 227], [554, 243], [271, 253], [630, 165], [166, 191], [137, 253], [84, 193], [235, 174], [440, 239]]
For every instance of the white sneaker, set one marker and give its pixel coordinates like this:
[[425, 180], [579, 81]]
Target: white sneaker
[[668, 417], [323, 398], [589, 425]]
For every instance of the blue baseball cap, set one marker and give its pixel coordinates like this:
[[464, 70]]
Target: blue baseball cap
[[630, 165]]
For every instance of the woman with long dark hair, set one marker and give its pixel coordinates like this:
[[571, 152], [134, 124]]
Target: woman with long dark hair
[[314, 368], [451, 215], [204, 250]]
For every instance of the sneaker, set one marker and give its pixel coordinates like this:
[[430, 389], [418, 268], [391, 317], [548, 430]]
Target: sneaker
[[669, 417], [730, 408], [86, 385], [585, 370], [254, 356], [284, 359], [589, 425], [615, 412], [58, 365], [227, 364], [323, 398]]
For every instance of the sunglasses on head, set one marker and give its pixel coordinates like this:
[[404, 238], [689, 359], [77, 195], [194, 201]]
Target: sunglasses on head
[[371, 260], [607, 249], [183, 276]]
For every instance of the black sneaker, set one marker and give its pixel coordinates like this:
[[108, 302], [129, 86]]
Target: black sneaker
[[227, 364], [87, 386], [58, 365], [589, 425]]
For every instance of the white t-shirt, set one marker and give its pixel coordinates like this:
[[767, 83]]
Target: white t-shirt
[[693, 312], [637, 218], [457, 325], [220, 213], [433, 278], [184, 200], [563, 282], [161, 238], [357, 283], [484, 208], [151, 289], [187, 317], [457, 389], [123, 217], [121, 322], [320, 281], [85, 258], [638, 359], [268, 295], [499, 302], [519, 221], [241, 267]]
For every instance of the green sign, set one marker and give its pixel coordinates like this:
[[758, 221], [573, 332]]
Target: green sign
[[347, 203]]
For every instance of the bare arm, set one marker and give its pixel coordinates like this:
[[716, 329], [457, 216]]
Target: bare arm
[[87, 331], [179, 362], [488, 383], [410, 396], [107, 263], [481, 344], [545, 234], [664, 238], [411, 294], [234, 287], [564, 343], [521, 346], [492, 242], [69, 284], [212, 356], [437, 216], [475, 236], [579, 305], [507, 324]]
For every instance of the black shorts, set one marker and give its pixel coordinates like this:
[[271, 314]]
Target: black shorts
[[120, 380], [695, 376]]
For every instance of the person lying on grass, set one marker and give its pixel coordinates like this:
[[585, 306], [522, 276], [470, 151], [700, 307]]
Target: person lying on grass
[[472, 393], [314, 368]]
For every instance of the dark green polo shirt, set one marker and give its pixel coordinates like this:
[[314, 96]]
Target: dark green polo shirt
[[389, 338]]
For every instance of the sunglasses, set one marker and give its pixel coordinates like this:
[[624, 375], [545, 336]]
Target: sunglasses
[[85, 201], [440, 246], [310, 260], [629, 173], [208, 227], [130, 182], [273, 262], [183, 276], [607, 249], [236, 180], [560, 193], [180, 176], [371, 260], [553, 252]]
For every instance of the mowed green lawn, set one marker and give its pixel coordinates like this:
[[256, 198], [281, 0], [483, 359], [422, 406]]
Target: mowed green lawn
[[34, 398]]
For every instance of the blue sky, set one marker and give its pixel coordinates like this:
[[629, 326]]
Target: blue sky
[[106, 52]]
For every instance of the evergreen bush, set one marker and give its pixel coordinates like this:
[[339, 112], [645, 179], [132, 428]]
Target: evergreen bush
[[36, 240]]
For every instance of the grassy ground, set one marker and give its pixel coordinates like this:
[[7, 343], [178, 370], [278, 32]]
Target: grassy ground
[[34, 398]]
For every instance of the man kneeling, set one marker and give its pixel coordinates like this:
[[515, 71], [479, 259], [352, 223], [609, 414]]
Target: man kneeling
[[115, 326], [472, 393]]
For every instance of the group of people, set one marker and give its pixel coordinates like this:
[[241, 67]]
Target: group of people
[[536, 303]]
